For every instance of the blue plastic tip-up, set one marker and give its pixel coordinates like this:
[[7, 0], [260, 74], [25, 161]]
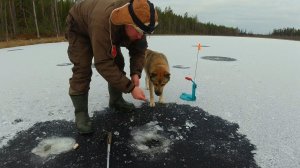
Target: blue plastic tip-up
[[190, 97]]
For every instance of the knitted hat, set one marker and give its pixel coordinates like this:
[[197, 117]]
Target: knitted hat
[[138, 12]]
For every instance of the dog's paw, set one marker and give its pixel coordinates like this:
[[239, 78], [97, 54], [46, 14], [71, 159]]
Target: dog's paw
[[152, 104], [161, 100]]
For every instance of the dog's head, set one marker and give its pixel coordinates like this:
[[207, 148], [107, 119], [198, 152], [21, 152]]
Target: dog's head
[[160, 77]]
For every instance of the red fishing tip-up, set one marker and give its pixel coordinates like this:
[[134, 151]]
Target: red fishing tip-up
[[199, 46]]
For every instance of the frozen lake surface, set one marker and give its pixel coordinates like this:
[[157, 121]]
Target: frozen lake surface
[[252, 82]]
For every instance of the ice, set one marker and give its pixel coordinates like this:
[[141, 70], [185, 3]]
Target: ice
[[53, 146]]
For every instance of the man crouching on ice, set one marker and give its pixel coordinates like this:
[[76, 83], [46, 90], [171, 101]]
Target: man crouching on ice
[[97, 29]]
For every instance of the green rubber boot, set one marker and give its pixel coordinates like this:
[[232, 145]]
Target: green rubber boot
[[117, 103], [82, 119]]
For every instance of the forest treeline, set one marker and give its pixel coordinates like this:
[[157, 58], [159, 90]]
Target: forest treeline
[[27, 19]]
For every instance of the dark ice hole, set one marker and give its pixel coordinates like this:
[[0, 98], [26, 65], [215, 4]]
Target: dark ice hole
[[153, 143]]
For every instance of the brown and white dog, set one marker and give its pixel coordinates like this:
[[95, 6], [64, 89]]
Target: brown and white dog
[[157, 74]]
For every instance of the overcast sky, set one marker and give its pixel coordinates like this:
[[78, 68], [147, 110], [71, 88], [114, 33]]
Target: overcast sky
[[256, 16]]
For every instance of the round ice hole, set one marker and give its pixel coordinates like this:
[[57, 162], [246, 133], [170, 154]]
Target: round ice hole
[[153, 143]]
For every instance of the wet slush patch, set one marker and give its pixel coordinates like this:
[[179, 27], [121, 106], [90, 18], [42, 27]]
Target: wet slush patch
[[16, 121], [64, 64], [17, 49], [168, 135], [218, 58], [181, 67]]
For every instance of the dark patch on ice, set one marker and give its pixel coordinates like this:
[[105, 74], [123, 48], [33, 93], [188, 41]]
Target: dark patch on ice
[[218, 58], [50, 113], [205, 141], [64, 64], [2, 138], [181, 67], [17, 121], [17, 49]]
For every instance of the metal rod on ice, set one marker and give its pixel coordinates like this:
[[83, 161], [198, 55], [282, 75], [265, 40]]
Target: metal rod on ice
[[109, 137]]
